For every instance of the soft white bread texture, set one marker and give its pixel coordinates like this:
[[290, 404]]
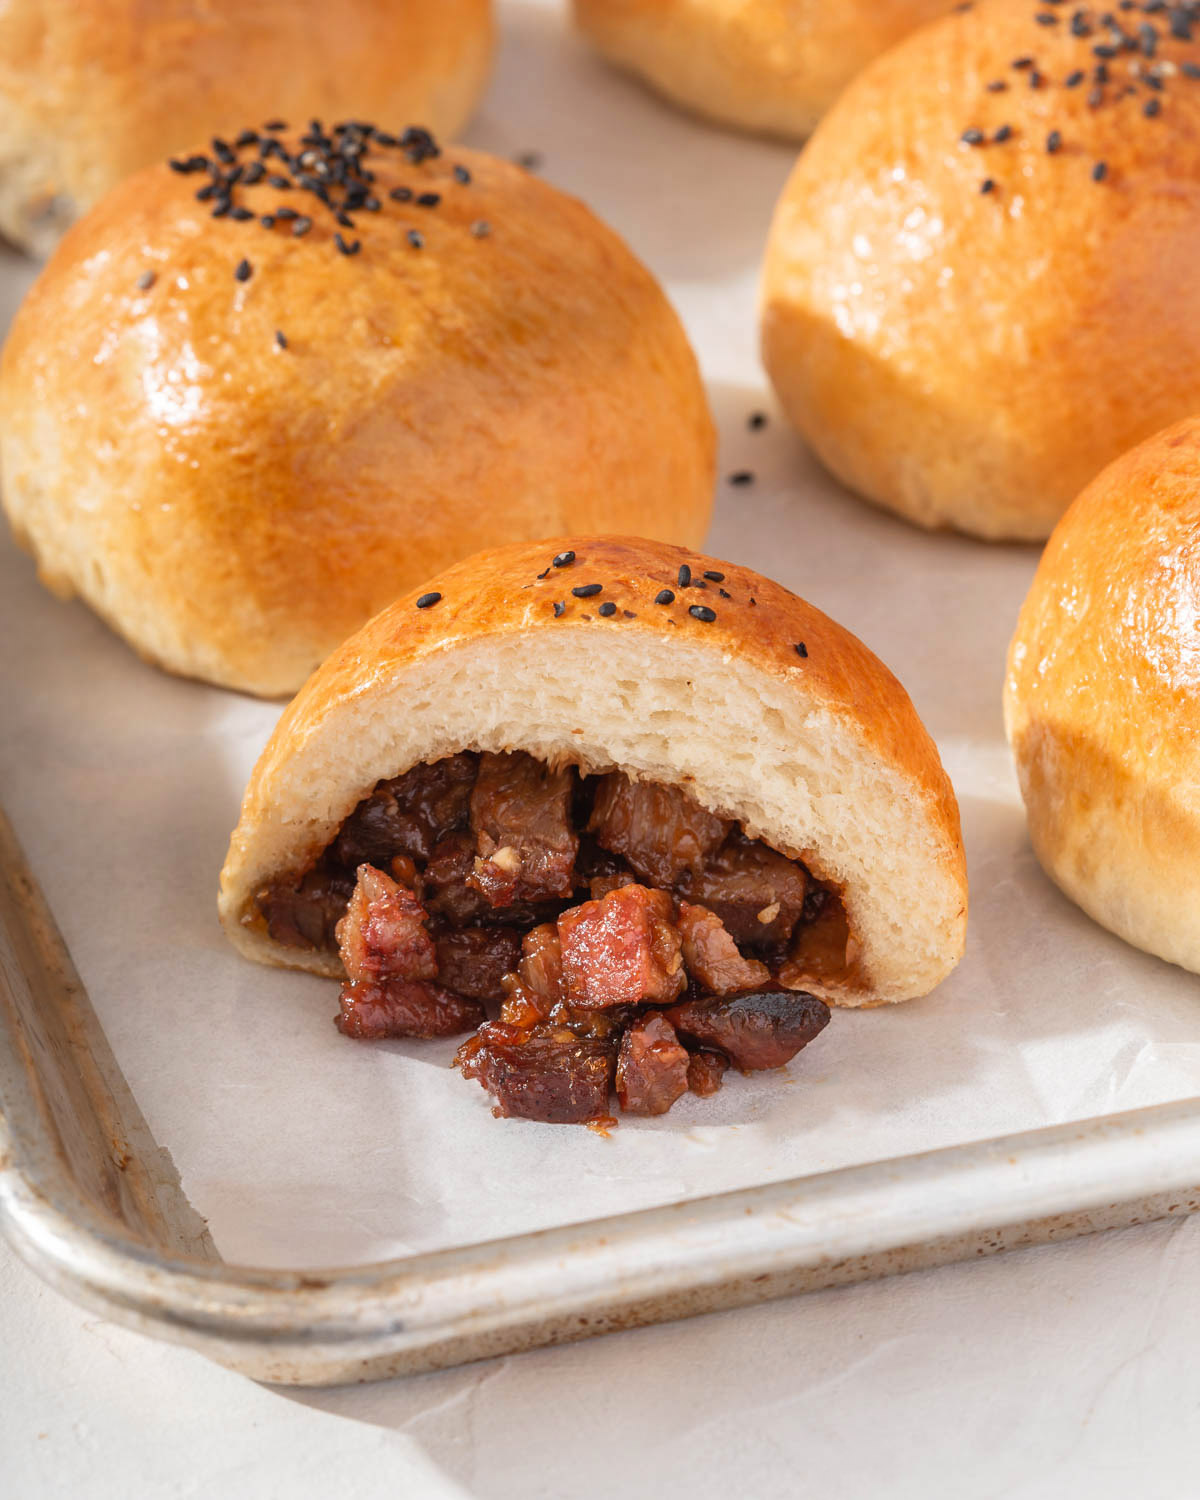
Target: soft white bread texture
[[821, 755], [93, 90], [235, 506], [971, 358], [773, 66], [1102, 698]]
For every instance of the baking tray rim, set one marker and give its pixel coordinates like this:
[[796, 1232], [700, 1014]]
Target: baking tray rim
[[93, 1204]]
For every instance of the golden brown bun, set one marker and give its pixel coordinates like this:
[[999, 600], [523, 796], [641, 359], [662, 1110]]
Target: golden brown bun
[[1102, 698], [235, 509], [765, 65], [822, 755], [92, 90], [972, 359]]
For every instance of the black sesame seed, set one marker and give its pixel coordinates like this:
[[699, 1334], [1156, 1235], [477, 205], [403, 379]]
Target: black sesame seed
[[243, 271], [1100, 171], [275, 125], [1073, 80], [347, 249], [1151, 108], [1095, 98], [302, 225], [725, 594], [702, 612], [972, 137], [756, 421], [481, 229], [1036, 79], [1190, 69], [997, 86], [1046, 18], [560, 608], [988, 185], [267, 221], [713, 576], [280, 339], [222, 208], [1002, 134], [741, 476], [282, 183], [428, 200], [684, 576], [401, 194], [344, 219], [255, 172], [223, 151], [801, 649], [372, 205], [607, 609], [664, 596], [587, 590], [564, 560], [1022, 62], [461, 174], [146, 280], [1054, 142], [247, 138], [415, 238], [206, 192], [242, 214], [427, 600], [286, 213]]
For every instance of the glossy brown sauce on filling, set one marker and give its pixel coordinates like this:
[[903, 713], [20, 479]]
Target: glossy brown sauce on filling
[[627, 938]]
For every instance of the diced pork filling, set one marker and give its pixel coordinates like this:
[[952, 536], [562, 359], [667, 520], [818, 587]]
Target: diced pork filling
[[647, 954]]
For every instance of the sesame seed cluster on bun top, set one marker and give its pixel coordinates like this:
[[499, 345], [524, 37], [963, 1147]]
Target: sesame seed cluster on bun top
[[1128, 57]]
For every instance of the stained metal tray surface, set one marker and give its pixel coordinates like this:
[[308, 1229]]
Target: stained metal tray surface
[[182, 1143]]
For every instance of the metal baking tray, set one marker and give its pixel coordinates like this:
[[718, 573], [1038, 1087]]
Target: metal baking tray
[[94, 1205]]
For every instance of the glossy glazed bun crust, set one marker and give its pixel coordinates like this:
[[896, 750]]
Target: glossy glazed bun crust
[[766, 65], [93, 90], [1102, 699], [822, 754], [972, 358], [237, 473]]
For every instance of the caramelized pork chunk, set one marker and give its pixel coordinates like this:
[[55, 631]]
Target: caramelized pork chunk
[[408, 814], [521, 819], [474, 960], [622, 950], [542, 1072], [383, 934], [305, 913], [761, 1030], [757, 892], [705, 1072], [375, 1009], [711, 956], [652, 1067], [661, 831]]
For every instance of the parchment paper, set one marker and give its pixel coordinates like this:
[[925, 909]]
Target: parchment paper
[[303, 1148]]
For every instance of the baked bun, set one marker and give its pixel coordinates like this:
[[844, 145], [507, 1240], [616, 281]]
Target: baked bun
[[765, 65], [93, 90], [978, 284], [236, 473], [1101, 700], [723, 686]]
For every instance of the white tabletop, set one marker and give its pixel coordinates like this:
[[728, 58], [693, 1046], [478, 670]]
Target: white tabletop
[[1054, 1373], [1044, 1375]]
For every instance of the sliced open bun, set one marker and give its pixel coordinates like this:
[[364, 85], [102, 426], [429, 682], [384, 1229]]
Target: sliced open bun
[[769, 713]]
